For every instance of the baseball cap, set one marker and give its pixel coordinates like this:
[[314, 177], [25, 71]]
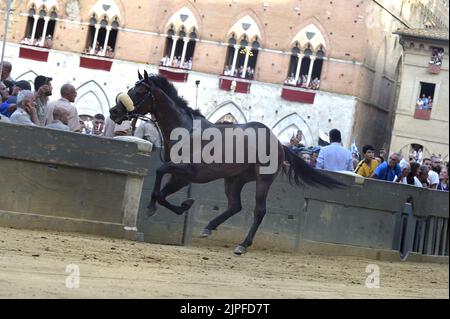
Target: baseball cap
[[24, 85], [40, 81]]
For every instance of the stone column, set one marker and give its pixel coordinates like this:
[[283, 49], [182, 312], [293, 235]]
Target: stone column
[[247, 56], [174, 45], [183, 55], [233, 66], [108, 32], [44, 32], [311, 64], [297, 71], [33, 33], [94, 43]]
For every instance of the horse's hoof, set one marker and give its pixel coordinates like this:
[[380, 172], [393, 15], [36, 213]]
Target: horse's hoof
[[187, 204], [240, 250], [205, 233], [150, 211]]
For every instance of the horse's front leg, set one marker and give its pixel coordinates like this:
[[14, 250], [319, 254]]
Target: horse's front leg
[[181, 173]]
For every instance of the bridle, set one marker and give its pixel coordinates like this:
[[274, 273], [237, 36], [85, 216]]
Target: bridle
[[135, 113]]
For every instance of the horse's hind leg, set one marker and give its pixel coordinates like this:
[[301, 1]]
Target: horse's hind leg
[[233, 188], [262, 189]]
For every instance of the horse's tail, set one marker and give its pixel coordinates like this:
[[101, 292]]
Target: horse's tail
[[300, 171]]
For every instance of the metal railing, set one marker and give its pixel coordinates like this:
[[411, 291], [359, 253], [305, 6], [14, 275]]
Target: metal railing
[[424, 235]]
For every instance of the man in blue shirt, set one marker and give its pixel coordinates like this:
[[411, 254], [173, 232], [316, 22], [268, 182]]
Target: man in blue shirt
[[334, 157], [387, 170]]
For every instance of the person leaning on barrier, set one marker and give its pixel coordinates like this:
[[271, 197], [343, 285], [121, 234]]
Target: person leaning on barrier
[[413, 176], [423, 176], [433, 177], [26, 113], [436, 163], [367, 166], [98, 124], [68, 96], [443, 180], [6, 109], [388, 170], [60, 119], [112, 129], [148, 131], [306, 156], [405, 169]]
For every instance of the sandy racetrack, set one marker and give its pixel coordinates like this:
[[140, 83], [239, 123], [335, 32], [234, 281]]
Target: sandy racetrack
[[33, 264]]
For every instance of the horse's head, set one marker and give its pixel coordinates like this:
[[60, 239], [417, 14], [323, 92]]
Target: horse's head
[[139, 100]]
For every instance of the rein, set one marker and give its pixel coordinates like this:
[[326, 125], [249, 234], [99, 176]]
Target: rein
[[134, 115]]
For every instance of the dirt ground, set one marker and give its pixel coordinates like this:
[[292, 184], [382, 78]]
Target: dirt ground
[[33, 265]]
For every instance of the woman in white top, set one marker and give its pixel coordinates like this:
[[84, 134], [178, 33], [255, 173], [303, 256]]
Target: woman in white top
[[412, 177]]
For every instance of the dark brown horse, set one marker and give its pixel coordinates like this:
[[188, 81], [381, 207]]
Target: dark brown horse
[[212, 159]]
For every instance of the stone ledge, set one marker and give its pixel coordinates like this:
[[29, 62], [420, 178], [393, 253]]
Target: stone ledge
[[328, 249], [64, 224]]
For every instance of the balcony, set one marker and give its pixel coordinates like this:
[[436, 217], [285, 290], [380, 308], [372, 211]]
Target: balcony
[[174, 74], [296, 94], [433, 68], [96, 63], [421, 114], [229, 83], [35, 53]]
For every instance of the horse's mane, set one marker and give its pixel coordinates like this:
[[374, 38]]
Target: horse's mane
[[168, 88]]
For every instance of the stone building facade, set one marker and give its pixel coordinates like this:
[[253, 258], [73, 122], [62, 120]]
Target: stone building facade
[[421, 114], [348, 44]]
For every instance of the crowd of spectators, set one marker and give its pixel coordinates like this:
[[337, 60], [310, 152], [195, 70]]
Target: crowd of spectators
[[40, 42], [437, 56], [424, 102], [429, 173], [24, 106], [176, 62], [239, 72], [303, 82], [98, 50]]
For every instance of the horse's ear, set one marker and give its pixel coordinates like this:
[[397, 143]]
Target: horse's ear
[[140, 75], [145, 75]]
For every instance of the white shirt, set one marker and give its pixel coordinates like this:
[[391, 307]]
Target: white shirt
[[58, 125], [4, 119], [149, 132], [405, 181], [433, 177], [20, 116], [74, 120]]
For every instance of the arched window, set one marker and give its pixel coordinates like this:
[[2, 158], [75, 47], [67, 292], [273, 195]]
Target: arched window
[[104, 24], [41, 23], [243, 48], [102, 36], [305, 67], [241, 60], [293, 63], [317, 67], [181, 39]]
